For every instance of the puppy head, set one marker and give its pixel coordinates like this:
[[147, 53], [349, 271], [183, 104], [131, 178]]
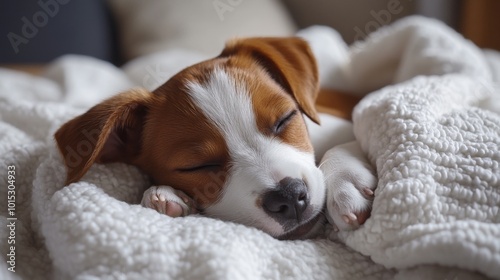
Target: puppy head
[[229, 132]]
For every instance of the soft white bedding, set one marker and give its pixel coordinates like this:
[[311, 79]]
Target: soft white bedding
[[437, 154]]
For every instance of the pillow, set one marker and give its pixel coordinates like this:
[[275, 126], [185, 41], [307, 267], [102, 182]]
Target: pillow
[[196, 25]]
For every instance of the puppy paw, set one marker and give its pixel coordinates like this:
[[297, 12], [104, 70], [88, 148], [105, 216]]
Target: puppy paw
[[169, 201], [350, 184], [349, 207]]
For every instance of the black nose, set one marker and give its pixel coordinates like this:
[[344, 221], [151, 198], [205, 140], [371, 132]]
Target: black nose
[[288, 201]]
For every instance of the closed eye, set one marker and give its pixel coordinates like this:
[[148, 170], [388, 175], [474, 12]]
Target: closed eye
[[201, 167], [282, 122]]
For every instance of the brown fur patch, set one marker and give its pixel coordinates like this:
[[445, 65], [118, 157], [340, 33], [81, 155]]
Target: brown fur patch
[[177, 136]]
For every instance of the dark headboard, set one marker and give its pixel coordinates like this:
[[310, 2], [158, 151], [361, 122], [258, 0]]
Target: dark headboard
[[37, 31]]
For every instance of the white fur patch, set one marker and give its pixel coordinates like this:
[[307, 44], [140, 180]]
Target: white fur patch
[[258, 162]]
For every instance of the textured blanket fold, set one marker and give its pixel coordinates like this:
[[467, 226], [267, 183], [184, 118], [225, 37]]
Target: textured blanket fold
[[431, 126]]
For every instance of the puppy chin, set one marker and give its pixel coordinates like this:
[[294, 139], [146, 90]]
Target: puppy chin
[[306, 230]]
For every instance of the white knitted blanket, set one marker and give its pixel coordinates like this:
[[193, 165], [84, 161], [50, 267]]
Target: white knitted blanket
[[437, 154]]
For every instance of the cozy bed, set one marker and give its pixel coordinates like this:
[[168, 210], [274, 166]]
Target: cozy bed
[[429, 121]]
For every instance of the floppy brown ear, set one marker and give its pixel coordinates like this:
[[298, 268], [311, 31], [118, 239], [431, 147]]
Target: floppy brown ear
[[289, 61], [108, 132]]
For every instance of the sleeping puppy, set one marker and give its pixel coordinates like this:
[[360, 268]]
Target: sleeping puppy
[[228, 138]]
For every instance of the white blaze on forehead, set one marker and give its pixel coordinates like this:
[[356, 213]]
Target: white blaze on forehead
[[227, 104], [258, 162]]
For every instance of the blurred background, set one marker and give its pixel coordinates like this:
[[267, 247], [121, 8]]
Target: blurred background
[[37, 31]]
